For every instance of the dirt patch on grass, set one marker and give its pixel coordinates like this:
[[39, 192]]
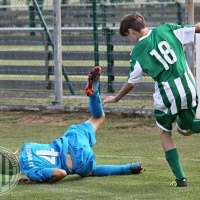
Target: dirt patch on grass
[[127, 123], [145, 129], [41, 119], [138, 128], [53, 118]]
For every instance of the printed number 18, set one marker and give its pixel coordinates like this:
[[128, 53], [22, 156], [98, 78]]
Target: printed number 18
[[168, 53]]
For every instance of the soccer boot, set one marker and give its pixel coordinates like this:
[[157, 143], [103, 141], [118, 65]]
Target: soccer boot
[[179, 183], [136, 167], [92, 78]]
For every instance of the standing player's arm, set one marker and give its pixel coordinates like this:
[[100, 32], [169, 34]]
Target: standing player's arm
[[197, 28], [126, 88]]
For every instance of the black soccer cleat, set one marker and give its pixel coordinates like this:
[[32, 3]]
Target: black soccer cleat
[[179, 182]]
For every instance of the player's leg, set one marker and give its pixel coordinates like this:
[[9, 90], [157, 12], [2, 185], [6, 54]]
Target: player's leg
[[171, 153], [94, 103], [172, 157], [186, 123], [109, 170], [82, 136]]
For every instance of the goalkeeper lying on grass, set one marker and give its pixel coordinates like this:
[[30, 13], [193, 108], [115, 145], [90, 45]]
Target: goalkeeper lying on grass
[[72, 153]]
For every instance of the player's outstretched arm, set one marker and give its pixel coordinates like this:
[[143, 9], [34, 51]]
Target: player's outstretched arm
[[26, 180], [57, 175], [127, 87], [197, 28]]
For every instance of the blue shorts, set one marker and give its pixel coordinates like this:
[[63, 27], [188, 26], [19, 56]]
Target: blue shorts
[[81, 138]]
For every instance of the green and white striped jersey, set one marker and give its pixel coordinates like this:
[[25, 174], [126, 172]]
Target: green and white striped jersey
[[160, 54]]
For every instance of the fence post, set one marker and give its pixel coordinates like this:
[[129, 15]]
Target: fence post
[[95, 31], [32, 19], [190, 47], [50, 42], [110, 59], [58, 90], [103, 9], [179, 13]]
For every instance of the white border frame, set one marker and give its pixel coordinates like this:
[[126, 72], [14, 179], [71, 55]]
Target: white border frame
[[198, 71]]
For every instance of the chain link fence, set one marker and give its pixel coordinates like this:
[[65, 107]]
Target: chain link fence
[[89, 37]]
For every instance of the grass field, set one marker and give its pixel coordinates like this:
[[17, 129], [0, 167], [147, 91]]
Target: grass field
[[122, 139]]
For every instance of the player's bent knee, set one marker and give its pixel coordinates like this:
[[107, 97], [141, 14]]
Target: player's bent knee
[[97, 121]]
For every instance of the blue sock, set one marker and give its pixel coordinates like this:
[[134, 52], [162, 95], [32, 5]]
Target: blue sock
[[95, 104], [108, 170]]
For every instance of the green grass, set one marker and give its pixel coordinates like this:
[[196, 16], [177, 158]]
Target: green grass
[[71, 78], [86, 48], [128, 102], [122, 139]]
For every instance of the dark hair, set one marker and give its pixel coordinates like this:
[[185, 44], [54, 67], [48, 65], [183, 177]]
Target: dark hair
[[133, 21]]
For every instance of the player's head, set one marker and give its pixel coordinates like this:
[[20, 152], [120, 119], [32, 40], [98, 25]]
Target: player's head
[[133, 21]]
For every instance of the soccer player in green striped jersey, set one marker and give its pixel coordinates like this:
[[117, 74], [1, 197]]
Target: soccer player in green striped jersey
[[159, 53]]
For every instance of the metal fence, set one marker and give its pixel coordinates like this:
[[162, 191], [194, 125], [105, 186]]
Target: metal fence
[[89, 37]]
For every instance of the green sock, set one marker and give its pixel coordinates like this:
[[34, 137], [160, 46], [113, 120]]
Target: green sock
[[196, 126], [173, 160]]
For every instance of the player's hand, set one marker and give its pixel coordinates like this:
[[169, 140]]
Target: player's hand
[[27, 180], [109, 99]]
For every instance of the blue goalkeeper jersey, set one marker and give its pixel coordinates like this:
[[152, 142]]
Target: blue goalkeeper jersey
[[37, 161]]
